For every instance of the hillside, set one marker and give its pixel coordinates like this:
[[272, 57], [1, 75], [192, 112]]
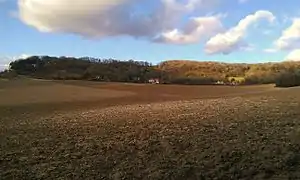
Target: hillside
[[262, 73], [168, 72], [206, 68]]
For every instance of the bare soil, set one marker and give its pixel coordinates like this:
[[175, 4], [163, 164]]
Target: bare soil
[[160, 132]]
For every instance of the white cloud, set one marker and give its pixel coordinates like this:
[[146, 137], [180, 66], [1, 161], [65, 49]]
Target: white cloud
[[22, 56], [3, 67], [195, 30], [293, 56], [233, 39], [290, 38], [100, 18], [270, 50], [5, 60]]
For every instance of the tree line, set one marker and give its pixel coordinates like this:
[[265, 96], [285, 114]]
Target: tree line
[[169, 72], [283, 74], [85, 68]]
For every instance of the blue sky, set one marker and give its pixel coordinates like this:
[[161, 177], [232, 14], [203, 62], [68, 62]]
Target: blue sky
[[203, 29]]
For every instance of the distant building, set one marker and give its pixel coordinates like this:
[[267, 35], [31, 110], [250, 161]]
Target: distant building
[[154, 81], [220, 83]]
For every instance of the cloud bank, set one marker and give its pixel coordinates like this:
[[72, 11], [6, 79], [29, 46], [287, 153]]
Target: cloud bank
[[102, 18], [4, 63], [290, 38], [5, 60], [233, 39], [198, 28], [293, 56], [164, 21]]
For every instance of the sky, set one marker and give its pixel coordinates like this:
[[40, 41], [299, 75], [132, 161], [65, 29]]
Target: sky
[[234, 31]]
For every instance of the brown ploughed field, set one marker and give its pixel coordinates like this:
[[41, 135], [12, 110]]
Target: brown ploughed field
[[90, 130]]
